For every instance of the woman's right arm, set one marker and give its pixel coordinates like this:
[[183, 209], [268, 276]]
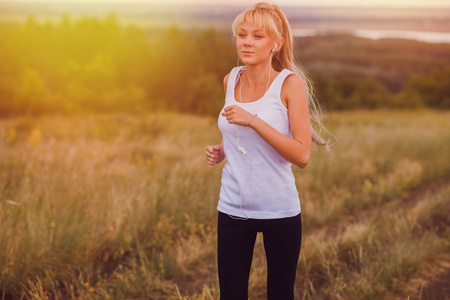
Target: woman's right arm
[[215, 154]]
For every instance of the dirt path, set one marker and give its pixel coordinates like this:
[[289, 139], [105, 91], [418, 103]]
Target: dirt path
[[432, 282]]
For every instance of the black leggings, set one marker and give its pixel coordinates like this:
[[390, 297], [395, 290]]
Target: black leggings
[[236, 240]]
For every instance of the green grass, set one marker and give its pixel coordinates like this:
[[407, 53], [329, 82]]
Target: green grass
[[122, 206]]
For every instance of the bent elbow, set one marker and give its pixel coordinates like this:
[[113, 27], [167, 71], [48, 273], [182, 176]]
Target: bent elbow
[[302, 161], [303, 165]]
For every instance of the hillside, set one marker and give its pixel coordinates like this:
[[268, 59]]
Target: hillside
[[115, 206]]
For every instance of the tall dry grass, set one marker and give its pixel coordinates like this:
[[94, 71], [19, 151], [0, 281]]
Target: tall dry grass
[[122, 206]]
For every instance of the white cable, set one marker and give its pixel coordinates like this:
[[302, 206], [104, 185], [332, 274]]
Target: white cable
[[240, 100], [242, 192], [242, 149]]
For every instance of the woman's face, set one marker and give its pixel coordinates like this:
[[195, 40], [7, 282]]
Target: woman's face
[[253, 44]]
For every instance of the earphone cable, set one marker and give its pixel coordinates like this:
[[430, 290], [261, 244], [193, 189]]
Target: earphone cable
[[243, 149]]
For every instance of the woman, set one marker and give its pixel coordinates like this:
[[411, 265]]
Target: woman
[[266, 127]]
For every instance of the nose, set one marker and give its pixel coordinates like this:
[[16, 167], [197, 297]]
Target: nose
[[248, 41]]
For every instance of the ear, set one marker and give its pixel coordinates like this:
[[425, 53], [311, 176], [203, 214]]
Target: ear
[[280, 43]]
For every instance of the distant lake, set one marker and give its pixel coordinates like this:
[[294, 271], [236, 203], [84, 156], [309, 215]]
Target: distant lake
[[423, 36]]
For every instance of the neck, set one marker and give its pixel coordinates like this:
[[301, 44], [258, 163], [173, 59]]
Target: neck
[[259, 74], [256, 79]]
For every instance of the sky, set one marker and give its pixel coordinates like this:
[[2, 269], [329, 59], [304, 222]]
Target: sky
[[334, 3]]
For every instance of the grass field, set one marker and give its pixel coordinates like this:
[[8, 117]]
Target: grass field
[[122, 206]]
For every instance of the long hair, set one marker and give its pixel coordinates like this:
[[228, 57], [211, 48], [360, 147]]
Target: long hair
[[272, 20]]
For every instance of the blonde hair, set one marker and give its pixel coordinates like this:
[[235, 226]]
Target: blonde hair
[[272, 20]]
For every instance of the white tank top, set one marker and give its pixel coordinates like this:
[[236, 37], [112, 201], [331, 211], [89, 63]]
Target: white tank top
[[270, 191]]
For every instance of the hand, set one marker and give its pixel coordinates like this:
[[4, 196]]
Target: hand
[[214, 154], [237, 115]]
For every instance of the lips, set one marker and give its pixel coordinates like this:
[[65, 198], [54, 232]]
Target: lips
[[247, 52]]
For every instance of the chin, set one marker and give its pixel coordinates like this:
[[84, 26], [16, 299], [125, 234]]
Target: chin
[[249, 62]]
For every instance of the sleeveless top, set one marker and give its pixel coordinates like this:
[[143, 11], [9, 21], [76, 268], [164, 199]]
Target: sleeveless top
[[263, 176]]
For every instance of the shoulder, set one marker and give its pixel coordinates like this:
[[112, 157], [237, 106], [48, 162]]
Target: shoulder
[[293, 89], [232, 74], [292, 81], [225, 81]]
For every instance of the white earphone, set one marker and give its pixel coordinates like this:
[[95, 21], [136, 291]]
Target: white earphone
[[276, 45]]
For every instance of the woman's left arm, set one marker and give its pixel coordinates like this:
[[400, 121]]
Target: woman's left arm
[[297, 149]]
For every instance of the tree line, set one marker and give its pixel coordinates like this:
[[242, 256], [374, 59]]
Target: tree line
[[99, 64], [352, 72]]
